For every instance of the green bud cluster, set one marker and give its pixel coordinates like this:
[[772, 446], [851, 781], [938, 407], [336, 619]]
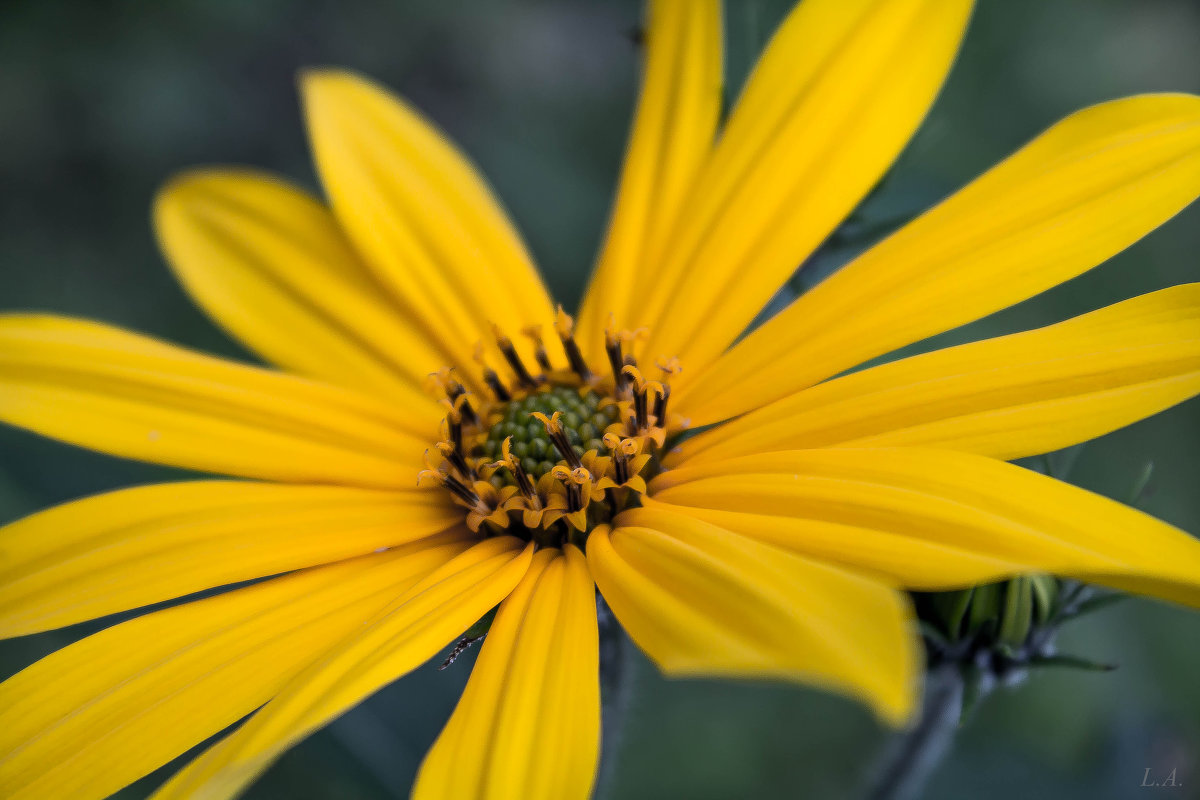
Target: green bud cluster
[[583, 419], [995, 633], [999, 616]]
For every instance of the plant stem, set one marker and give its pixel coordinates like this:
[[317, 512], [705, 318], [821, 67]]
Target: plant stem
[[616, 689], [910, 759]]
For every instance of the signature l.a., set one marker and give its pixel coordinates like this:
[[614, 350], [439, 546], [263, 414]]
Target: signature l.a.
[[1148, 780]]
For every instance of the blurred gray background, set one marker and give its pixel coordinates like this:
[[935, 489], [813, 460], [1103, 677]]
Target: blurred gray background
[[101, 101]]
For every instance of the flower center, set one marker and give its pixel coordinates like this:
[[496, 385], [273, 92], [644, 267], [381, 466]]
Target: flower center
[[550, 453], [583, 414]]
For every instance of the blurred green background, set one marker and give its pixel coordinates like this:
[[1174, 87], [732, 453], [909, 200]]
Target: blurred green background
[[101, 101]]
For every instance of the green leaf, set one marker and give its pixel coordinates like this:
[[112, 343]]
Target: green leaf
[[1071, 662]]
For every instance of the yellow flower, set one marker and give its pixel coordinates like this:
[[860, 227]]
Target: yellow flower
[[775, 542]]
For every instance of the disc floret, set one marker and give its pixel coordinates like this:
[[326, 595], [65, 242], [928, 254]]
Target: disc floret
[[550, 453]]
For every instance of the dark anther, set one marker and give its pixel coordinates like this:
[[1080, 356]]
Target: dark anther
[[539, 349], [621, 467], [522, 477], [640, 404], [660, 406], [564, 448], [612, 346], [574, 496], [457, 460], [575, 358], [468, 413], [558, 437], [454, 431], [493, 381], [461, 490], [514, 360], [455, 390]]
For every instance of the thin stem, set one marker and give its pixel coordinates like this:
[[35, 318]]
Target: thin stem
[[909, 760], [616, 689]]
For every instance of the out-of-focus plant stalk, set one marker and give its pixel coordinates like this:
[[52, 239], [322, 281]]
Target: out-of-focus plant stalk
[[910, 758]]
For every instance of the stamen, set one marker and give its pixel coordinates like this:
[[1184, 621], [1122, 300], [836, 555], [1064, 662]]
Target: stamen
[[620, 456], [566, 334], [430, 471], [660, 405], [518, 471], [461, 490], [558, 437], [493, 381], [490, 377], [640, 399], [534, 332], [454, 430], [458, 396], [444, 381], [461, 406], [669, 367], [603, 439], [457, 460], [612, 346], [573, 480], [514, 359]]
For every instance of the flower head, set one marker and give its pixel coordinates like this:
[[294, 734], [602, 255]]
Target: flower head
[[742, 509]]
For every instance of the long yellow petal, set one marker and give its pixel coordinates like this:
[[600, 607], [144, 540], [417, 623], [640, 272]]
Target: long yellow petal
[[700, 600], [128, 395], [134, 547], [672, 135], [413, 628], [1081, 192], [269, 263], [935, 519], [839, 91], [101, 713], [528, 723], [421, 216], [1007, 397]]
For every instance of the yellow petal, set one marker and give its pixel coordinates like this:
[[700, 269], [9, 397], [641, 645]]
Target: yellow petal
[[528, 723], [838, 92], [131, 548], [1083, 191], [269, 263], [935, 519], [700, 600], [421, 216], [99, 714], [671, 137], [128, 395], [413, 628], [1007, 397]]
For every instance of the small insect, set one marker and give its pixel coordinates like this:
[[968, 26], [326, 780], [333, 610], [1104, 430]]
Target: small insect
[[473, 634]]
